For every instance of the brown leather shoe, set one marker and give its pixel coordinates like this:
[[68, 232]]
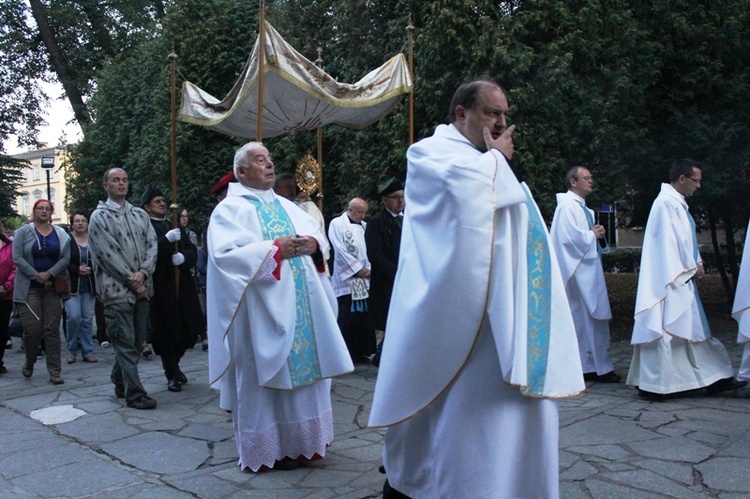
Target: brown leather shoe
[[142, 402], [90, 358]]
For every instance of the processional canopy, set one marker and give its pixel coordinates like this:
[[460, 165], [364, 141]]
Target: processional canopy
[[297, 95]]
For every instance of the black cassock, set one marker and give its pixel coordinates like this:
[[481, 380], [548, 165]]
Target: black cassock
[[175, 323], [383, 238]]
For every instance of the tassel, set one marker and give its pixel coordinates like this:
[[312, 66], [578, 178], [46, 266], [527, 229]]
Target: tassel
[[359, 306]]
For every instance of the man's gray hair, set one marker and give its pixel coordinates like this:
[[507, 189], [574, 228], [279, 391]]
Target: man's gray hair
[[572, 174], [240, 157]]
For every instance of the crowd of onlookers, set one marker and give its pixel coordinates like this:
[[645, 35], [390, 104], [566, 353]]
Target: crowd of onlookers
[[47, 282]]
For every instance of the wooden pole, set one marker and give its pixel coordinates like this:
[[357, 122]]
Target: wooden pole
[[261, 61], [410, 30], [175, 215], [319, 63]]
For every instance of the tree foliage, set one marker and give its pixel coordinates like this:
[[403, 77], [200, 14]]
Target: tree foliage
[[622, 87]]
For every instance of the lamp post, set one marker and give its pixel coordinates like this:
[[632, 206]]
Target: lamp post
[[48, 163]]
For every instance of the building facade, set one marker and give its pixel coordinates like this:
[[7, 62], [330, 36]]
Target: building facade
[[43, 183]]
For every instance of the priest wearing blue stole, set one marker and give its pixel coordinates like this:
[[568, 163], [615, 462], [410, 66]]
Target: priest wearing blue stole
[[577, 241], [274, 341], [673, 349], [480, 339]]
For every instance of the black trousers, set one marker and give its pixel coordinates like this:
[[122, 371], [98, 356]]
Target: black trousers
[[358, 335]]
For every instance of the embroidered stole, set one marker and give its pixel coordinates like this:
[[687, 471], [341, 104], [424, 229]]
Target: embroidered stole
[[696, 255], [303, 361], [590, 220], [539, 300]]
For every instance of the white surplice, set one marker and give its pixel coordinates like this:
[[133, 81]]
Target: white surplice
[[457, 362], [349, 253], [673, 347], [581, 268], [251, 330], [741, 309]]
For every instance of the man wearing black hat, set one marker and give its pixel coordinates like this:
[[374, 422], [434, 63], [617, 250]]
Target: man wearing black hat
[[383, 238], [175, 317]]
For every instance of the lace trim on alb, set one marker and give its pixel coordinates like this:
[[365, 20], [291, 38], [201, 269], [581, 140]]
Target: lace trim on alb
[[303, 438]]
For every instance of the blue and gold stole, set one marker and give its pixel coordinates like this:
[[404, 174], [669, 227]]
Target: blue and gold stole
[[303, 361], [696, 256], [539, 300]]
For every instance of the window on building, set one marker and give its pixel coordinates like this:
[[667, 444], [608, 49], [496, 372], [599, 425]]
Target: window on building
[[37, 171], [25, 209], [37, 195], [52, 195]]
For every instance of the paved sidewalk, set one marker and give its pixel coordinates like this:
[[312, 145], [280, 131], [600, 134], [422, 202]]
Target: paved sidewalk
[[611, 445]]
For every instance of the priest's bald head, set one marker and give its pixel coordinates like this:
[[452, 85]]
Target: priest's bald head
[[478, 106]]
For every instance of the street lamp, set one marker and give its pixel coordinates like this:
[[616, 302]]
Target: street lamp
[[48, 163]]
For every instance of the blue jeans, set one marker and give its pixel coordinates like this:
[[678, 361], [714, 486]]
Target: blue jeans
[[80, 312]]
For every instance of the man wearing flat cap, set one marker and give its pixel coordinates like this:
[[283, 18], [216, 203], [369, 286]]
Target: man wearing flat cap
[[383, 238], [176, 316]]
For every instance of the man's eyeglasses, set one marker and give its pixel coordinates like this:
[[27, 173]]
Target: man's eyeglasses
[[394, 198], [696, 180]]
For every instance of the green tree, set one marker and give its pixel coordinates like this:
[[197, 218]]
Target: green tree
[[622, 87]]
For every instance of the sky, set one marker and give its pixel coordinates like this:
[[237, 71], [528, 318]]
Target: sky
[[57, 116]]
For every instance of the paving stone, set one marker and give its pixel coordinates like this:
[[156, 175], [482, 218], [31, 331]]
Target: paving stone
[[206, 432], [77, 479], [172, 451], [149, 491], [603, 429], [673, 449], [707, 438], [726, 473], [605, 465], [603, 488], [203, 485], [98, 428], [31, 402], [566, 459], [610, 452], [573, 490], [44, 459], [675, 471], [650, 482], [579, 471], [12, 442], [159, 453]]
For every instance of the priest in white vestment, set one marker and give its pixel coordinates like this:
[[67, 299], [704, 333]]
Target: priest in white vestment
[[577, 241], [741, 309], [673, 347], [351, 279], [272, 330], [479, 339]]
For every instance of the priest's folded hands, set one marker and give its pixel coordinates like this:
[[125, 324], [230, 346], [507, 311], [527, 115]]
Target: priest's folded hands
[[296, 246]]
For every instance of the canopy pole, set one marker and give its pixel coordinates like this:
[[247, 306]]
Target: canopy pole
[[410, 30], [173, 146], [261, 62], [319, 63]]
